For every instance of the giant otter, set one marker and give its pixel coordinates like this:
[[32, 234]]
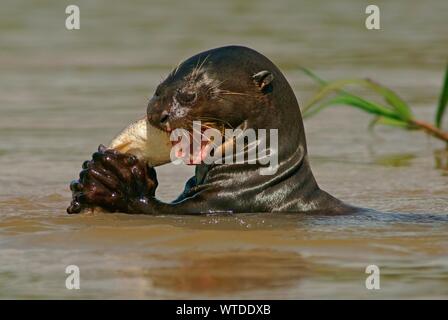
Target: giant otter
[[227, 86]]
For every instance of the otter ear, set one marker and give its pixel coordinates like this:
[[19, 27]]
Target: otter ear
[[263, 79]]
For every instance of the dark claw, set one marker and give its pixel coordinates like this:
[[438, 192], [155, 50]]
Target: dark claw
[[131, 160], [83, 174], [76, 186], [86, 164], [112, 151], [102, 148], [75, 207], [97, 156], [80, 198]]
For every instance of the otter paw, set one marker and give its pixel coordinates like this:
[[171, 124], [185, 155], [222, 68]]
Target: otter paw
[[112, 180]]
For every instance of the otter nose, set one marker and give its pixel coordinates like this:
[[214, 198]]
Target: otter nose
[[155, 113], [159, 118], [164, 116]]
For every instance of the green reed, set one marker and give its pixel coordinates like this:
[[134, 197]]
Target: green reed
[[394, 111]]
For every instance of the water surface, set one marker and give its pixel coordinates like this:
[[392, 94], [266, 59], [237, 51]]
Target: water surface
[[62, 93]]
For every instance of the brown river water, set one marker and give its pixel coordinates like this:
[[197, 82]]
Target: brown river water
[[64, 92]]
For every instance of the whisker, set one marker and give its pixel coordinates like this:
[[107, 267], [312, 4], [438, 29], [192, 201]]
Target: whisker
[[177, 67], [202, 64], [223, 98], [217, 120], [215, 87], [234, 93]]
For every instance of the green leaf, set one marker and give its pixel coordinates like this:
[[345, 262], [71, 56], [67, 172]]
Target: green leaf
[[328, 88], [354, 101], [313, 76], [443, 100], [389, 122], [389, 96], [392, 99]]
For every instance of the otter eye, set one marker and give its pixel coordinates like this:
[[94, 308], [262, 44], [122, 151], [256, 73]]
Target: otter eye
[[186, 97]]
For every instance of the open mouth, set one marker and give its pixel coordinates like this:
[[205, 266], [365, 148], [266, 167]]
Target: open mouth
[[200, 145], [193, 147]]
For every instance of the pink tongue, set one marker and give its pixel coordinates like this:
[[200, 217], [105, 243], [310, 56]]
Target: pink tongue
[[198, 155]]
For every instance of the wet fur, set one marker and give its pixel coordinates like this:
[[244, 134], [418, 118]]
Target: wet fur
[[225, 87]]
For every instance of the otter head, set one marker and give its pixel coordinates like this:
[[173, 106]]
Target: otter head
[[226, 88]]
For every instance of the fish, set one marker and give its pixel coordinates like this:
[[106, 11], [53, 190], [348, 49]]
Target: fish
[[144, 141]]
